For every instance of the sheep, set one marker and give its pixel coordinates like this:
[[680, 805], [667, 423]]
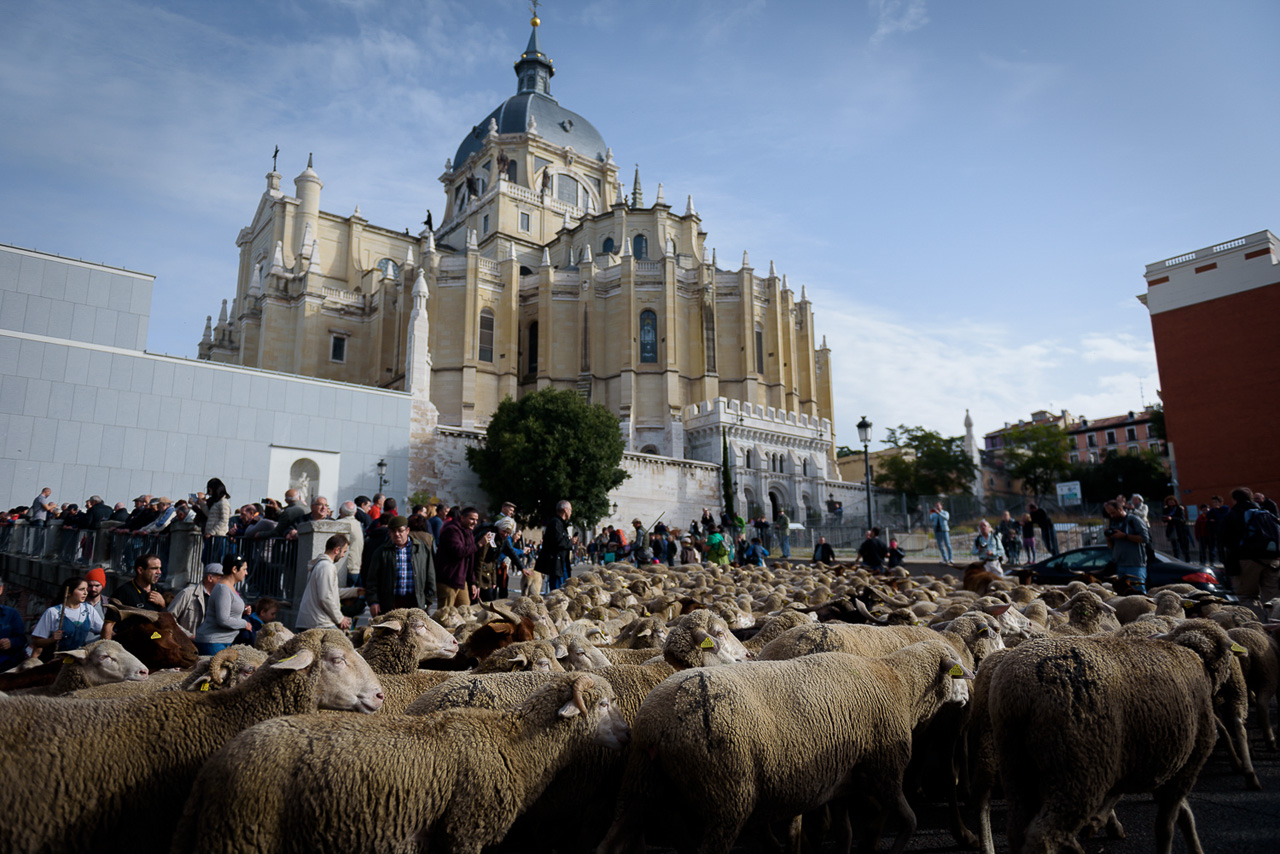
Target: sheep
[[1141, 710], [739, 726], [153, 636], [165, 680], [224, 669], [404, 638], [524, 655], [1261, 673], [1087, 614], [629, 656], [581, 654], [134, 788], [701, 639], [271, 637], [454, 781], [787, 618], [402, 689], [102, 662]]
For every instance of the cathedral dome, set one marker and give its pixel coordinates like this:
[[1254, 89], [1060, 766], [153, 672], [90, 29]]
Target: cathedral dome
[[533, 101]]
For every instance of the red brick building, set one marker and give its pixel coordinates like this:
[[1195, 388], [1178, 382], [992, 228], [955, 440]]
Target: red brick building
[[1094, 439], [1215, 317]]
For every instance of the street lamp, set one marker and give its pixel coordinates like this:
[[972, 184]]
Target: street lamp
[[382, 474], [615, 508], [864, 436]]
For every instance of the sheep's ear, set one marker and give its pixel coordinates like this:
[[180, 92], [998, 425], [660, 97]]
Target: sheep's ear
[[300, 660], [1237, 649], [562, 651], [69, 654], [389, 625], [998, 610], [985, 630], [956, 670], [201, 684], [569, 710], [645, 632]]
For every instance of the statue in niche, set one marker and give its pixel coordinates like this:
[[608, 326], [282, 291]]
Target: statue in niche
[[303, 485], [504, 163], [546, 180]]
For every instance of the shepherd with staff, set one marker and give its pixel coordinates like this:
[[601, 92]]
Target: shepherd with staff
[[68, 624]]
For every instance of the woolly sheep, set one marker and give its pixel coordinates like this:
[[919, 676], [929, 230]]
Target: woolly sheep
[[775, 625], [102, 662], [738, 726], [157, 744], [1087, 614], [523, 655], [404, 638], [701, 639], [1261, 673], [581, 654], [224, 669], [271, 637], [1141, 710], [454, 781]]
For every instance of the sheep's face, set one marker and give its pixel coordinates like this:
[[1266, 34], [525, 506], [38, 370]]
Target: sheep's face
[[718, 645], [106, 661], [593, 698], [345, 683], [431, 639], [581, 655]]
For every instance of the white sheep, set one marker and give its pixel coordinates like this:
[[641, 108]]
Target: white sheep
[[103, 662], [129, 790], [716, 745], [451, 782]]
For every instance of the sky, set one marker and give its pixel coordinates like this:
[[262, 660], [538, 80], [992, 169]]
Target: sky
[[969, 190]]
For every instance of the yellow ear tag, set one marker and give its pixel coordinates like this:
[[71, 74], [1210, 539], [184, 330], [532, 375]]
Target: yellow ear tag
[[1188, 605], [708, 643], [204, 687], [155, 636], [956, 671], [290, 658], [1238, 649]]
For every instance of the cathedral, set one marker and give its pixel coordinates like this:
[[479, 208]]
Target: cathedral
[[543, 271]]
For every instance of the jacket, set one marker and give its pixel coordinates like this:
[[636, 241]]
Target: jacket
[[380, 575], [188, 607], [556, 547], [321, 606], [456, 555]]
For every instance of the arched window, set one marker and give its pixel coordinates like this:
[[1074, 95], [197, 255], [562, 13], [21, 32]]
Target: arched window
[[486, 335], [533, 347], [804, 467], [608, 246], [649, 449], [567, 190], [648, 336], [748, 458], [640, 247], [759, 349]]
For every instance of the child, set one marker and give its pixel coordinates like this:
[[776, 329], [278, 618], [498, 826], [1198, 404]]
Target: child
[[896, 556]]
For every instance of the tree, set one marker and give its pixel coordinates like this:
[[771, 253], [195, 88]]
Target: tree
[[930, 463], [548, 446], [726, 476], [1036, 454], [1142, 473]]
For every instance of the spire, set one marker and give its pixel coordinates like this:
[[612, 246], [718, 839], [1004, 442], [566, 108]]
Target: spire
[[688, 208], [567, 224], [968, 422], [546, 257], [626, 247], [314, 265], [746, 262], [472, 243], [408, 256], [714, 262], [824, 343], [773, 271], [586, 255], [785, 286], [661, 199], [277, 259], [255, 281], [306, 238], [420, 292], [619, 200], [534, 69], [511, 250], [804, 297], [207, 338], [637, 195], [431, 243], [706, 254], [222, 315]]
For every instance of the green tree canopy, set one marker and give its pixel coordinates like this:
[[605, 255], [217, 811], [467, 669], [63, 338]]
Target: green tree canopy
[[548, 446], [1142, 473], [931, 464], [1036, 454]]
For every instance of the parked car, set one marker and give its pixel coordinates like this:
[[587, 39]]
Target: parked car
[[1096, 561]]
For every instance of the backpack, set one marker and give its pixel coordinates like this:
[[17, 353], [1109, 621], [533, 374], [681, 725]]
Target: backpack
[[717, 549], [1261, 535]]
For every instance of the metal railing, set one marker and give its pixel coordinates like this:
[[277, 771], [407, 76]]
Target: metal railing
[[272, 563], [126, 547]]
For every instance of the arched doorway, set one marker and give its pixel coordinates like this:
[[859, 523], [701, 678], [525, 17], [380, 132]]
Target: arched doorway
[[775, 504]]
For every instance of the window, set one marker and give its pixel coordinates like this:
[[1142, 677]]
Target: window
[[1111, 437], [511, 171], [484, 224], [1155, 446], [1093, 456], [486, 335], [533, 347], [804, 467], [338, 348], [648, 337], [748, 458], [524, 221], [1093, 440], [1073, 458], [567, 190], [1131, 434], [640, 247], [759, 349], [1132, 449], [607, 247]]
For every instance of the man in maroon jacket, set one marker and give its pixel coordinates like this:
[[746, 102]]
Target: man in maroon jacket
[[456, 560]]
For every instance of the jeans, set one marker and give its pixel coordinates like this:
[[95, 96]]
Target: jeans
[[1137, 576], [785, 544], [1051, 541], [210, 648], [944, 544]]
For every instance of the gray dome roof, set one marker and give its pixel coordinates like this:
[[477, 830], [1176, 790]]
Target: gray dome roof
[[555, 124]]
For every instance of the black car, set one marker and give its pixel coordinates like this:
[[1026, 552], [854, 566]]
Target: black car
[[1096, 561]]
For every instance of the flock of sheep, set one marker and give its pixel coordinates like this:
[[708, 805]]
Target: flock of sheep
[[688, 707]]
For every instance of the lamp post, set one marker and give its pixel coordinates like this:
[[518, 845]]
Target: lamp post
[[382, 474], [864, 436]]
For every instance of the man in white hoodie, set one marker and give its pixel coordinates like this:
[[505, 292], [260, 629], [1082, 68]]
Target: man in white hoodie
[[321, 606]]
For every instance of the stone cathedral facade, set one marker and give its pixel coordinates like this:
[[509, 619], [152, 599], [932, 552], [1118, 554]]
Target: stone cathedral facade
[[541, 272]]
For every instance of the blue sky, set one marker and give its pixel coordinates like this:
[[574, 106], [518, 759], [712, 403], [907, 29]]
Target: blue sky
[[968, 190]]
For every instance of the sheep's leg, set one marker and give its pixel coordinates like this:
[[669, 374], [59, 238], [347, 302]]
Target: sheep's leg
[[720, 833], [1171, 808], [1225, 737], [1262, 707], [1187, 824], [908, 817], [1237, 738]]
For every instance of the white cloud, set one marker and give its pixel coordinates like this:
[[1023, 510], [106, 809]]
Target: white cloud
[[897, 16]]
